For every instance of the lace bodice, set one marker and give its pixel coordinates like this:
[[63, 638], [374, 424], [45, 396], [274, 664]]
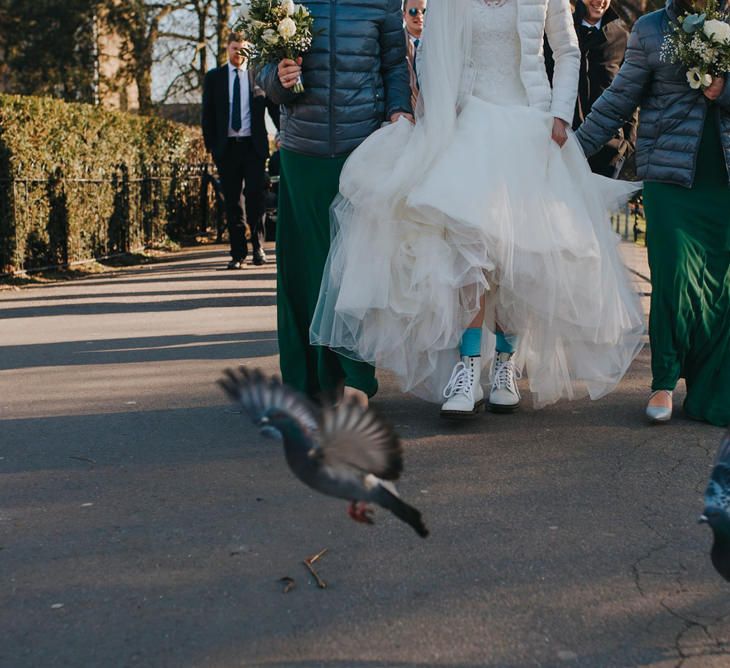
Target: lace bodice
[[496, 53]]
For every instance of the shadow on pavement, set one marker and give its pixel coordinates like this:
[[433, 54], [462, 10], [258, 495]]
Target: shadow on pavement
[[153, 306], [140, 349], [141, 293]]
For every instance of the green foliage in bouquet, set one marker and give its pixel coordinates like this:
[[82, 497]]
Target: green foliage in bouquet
[[276, 29], [701, 43]]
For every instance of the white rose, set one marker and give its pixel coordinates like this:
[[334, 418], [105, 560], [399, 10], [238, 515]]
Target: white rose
[[269, 36], [288, 6], [287, 28], [717, 31]]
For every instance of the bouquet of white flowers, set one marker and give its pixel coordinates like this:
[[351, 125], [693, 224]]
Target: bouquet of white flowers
[[276, 29], [700, 42]]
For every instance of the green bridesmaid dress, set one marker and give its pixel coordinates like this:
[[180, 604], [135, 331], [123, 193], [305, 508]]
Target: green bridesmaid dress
[[688, 238], [308, 186]]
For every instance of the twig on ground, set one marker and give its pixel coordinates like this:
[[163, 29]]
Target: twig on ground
[[308, 563]]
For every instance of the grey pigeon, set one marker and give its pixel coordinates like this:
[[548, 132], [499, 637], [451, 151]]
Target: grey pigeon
[[717, 509], [346, 451]]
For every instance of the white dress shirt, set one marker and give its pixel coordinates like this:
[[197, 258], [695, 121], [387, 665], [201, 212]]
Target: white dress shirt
[[592, 25], [245, 130]]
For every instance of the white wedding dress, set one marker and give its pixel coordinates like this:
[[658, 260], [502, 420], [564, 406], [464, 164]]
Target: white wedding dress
[[502, 211]]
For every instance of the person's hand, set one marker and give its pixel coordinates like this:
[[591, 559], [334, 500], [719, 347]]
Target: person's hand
[[560, 131], [289, 72], [714, 90], [399, 114]]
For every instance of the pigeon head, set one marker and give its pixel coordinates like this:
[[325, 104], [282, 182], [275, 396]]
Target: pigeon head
[[268, 430], [718, 520], [280, 425]]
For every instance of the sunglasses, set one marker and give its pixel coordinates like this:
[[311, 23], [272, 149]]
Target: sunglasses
[[414, 11]]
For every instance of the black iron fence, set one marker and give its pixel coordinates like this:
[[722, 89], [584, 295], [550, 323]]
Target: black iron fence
[[629, 221], [59, 219]]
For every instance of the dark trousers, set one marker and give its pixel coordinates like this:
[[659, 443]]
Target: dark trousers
[[242, 165]]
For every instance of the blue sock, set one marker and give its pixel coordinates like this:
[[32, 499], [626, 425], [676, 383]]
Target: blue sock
[[506, 343], [471, 342]]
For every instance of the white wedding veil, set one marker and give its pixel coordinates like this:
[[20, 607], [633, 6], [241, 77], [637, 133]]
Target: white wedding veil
[[445, 75]]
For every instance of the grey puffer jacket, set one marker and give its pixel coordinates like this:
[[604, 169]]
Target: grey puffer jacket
[[672, 114], [355, 76]]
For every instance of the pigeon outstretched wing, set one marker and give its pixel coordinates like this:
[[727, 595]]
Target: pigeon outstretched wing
[[260, 396], [356, 437]]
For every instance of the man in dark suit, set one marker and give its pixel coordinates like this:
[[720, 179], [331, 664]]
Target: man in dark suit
[[414, 16], [235, 134], [603, 37]]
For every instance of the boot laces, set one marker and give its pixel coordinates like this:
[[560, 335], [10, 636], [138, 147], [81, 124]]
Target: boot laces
[[505, 375], [460, 381]]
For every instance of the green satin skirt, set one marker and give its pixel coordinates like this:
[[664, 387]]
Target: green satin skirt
[[308, 186], [688, 238]]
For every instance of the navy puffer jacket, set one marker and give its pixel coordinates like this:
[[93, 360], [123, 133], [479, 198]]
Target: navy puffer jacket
[[672, 114], [355, 77]]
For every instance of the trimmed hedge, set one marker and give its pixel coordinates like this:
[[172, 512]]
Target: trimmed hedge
[[78, 181]]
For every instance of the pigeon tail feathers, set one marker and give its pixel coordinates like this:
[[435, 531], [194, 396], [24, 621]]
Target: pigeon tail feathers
[[399, 508]]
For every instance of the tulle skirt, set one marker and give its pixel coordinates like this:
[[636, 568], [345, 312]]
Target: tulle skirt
[[502, 213]]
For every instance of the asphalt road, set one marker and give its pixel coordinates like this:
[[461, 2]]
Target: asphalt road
[[144, 523]]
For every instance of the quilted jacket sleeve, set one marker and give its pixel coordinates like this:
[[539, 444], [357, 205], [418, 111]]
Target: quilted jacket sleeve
[[617, 104], [394, 68], [268, 78], [566, 54]]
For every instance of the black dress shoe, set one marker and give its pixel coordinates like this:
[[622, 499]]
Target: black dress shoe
[[259, 258], [235, 264]]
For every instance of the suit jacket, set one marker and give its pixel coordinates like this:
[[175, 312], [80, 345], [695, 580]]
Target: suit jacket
[[216, 110], [601, 56]]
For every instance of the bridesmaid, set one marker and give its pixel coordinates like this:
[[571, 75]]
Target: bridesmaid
[[683, 153], [355, 78]]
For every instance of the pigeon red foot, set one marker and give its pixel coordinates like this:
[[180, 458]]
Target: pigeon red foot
[[361, 512]]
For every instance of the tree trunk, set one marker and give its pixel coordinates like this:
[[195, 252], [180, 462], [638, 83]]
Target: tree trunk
[[143, 79], [202, 52], [222, 27]]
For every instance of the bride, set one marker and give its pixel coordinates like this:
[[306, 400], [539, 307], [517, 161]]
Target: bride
[[483, 218]]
